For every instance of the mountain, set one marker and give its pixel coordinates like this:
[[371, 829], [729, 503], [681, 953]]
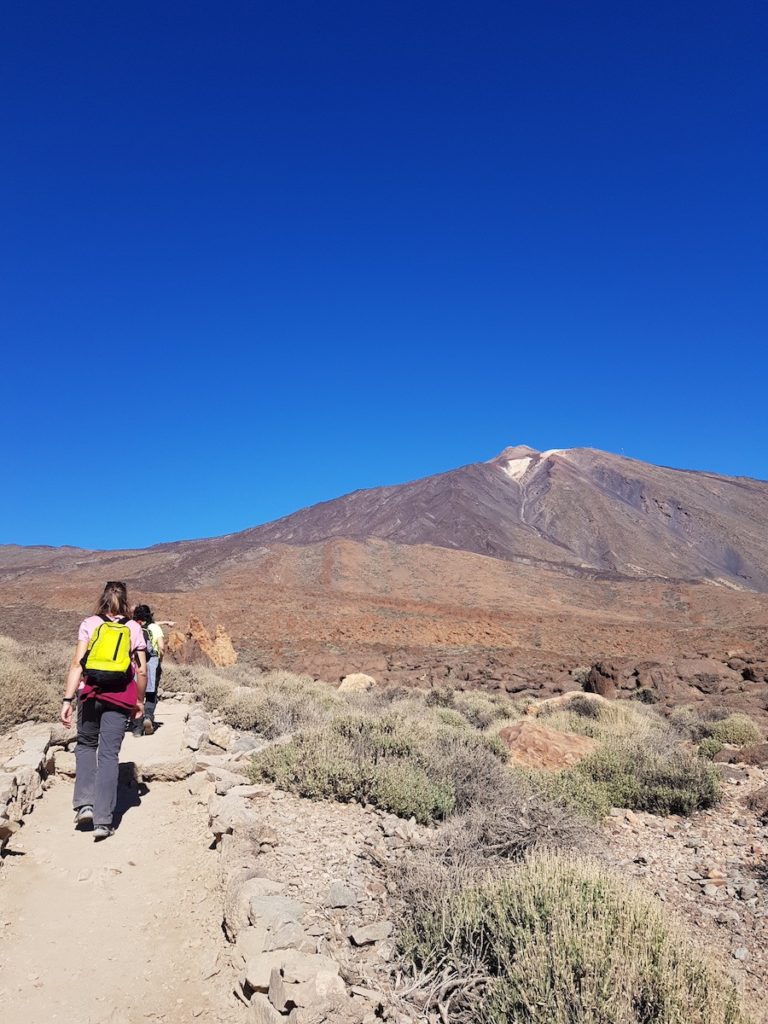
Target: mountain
[[577, 509], [501, 572]]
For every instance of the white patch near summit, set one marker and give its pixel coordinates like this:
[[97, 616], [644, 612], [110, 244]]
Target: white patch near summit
[[517, 468]]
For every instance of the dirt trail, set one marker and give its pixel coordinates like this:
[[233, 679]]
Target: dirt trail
[[123, 931]]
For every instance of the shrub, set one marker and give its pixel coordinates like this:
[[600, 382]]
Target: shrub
[[32, 680], [506, 822], [645, 695], [658, 781], [425, 770], [272, 703], [737, 729], [440, 698], [709, 747], [452, 717], [584, 707], [482, 709], [612, 722], [734, 728], [556, 941], [576, 791]]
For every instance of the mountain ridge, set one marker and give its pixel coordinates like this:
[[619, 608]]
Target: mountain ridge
[[584, 510]]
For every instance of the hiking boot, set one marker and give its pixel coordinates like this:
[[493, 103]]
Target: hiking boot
[[148, 727], [84, 816], [102, 832]]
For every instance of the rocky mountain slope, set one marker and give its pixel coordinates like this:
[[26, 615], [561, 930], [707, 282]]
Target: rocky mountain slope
[[504, 573], [575, 508]]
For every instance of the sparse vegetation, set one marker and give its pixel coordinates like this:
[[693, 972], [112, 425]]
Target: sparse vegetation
[[709, 747], [738, 730], [640, 764], [658, 781], [427, 771], [32, 679], [503, 916], [558, 940], [716, 727]]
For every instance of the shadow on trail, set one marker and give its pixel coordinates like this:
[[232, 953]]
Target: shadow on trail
[[129, 792]]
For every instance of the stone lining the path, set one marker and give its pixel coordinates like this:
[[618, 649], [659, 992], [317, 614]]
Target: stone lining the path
[[27, 758]]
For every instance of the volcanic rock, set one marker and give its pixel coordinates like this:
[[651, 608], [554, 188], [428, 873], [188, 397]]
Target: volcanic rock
[[535, 746]]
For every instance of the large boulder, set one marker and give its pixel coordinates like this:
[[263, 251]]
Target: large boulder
[[602, 679], [358, 682], [535, 746]]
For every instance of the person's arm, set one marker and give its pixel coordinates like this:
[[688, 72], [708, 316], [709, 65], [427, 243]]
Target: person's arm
[[74, 675]]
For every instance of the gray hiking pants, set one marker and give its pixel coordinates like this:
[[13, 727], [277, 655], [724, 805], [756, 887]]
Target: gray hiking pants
[[100, 731]]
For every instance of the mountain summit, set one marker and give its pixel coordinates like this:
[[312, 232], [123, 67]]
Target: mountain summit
[[578, 508]]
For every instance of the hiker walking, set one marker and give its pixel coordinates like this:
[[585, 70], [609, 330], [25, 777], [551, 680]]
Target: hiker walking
[[155, 641], [107, 678]]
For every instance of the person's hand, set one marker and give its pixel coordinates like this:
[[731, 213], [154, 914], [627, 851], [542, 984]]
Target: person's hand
[[66, 713], [139, 709]]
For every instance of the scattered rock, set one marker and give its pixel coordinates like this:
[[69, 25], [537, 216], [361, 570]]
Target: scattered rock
[[64, 763], [165, 771], [371, 933], [356, 682], [536, 746], [221, 736], [341, 895]]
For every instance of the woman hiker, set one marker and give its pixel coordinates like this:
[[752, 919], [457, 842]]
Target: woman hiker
[[155, 640], [107, 677]]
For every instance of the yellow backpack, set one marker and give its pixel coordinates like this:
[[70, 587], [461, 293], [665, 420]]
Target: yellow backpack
[[107, 661]]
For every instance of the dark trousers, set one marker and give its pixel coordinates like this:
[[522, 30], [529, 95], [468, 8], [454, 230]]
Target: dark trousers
[[100, 731]]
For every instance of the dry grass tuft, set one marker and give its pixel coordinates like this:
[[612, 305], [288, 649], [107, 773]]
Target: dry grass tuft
[[558, 940], [32, 681]]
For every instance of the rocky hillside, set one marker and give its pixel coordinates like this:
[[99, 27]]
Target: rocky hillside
[[576, 508]]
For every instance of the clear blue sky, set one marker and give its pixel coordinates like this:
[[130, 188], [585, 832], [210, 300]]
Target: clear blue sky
[[257, 255]]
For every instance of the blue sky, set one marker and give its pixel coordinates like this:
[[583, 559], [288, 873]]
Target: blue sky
[[257, 255]]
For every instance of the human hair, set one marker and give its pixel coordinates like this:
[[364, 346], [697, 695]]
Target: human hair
[[114, 600], [143, 613]]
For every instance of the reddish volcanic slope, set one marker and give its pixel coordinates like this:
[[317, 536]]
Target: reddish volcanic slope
[[528, 564]]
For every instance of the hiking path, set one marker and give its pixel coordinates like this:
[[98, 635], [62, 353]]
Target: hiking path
[[122, 931]]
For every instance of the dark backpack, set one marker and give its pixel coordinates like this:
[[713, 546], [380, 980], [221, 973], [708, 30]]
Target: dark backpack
[[151, 649]]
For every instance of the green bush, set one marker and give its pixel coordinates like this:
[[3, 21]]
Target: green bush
[[452, 717], [406, 767], [556, 941], [577, 791], [709, 747], [736, 729], [647, 779], [482, 709], [440, 698]]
